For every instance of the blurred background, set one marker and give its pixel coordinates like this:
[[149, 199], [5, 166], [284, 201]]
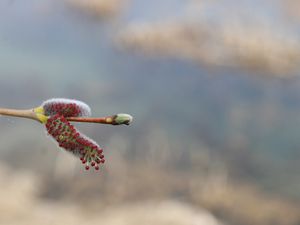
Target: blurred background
[[214, 90]]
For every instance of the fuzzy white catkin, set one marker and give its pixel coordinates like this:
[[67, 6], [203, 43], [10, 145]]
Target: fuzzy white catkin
[[85, 110]]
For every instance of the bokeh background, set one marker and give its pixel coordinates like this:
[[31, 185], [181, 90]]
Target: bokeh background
[[213, 87]]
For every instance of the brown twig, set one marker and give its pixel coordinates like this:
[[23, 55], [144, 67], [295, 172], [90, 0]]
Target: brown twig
[[28, 113], [117, 119]]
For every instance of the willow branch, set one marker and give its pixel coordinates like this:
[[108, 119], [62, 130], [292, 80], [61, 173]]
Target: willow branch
[[117, 119], [113, 120], [28, 113]]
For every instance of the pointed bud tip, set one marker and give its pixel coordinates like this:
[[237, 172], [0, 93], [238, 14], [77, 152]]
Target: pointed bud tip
[[123, 118]]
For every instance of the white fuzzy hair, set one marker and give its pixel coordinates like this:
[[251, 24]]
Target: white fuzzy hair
[[85, 110]]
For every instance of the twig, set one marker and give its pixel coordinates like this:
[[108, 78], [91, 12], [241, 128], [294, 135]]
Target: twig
[[117, 119]]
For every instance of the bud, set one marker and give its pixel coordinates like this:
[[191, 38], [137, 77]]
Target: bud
[[122, 118]]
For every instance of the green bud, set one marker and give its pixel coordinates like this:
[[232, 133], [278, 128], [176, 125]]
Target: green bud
[[122, 118]]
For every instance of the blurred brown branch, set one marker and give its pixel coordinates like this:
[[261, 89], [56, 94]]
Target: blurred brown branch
[[98, 8], [255, 48]]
